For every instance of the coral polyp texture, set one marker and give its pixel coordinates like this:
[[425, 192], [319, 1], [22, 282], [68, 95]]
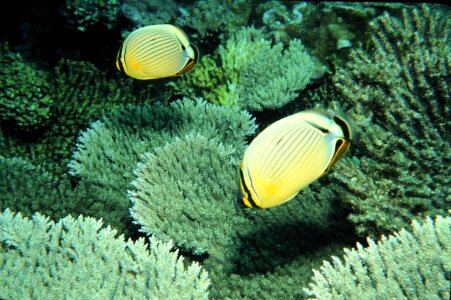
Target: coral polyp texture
[[25, 96], [77, 258], [397, 93], [81, 93], [251, 72], [405, 265]]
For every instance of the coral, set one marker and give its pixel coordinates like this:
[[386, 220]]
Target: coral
[[81, 94], [186, 191], [209, 16], [405, 265], [200, 173], [397, 94], [25, 96], [30, 189], [253, 73], [77, 258], [149, 12], [82, 14], [108, 151], [279, 20]]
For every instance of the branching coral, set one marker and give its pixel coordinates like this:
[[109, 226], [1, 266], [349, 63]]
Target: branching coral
[[186, 191], [109, 150], [77, 258], [404, 265], [81, 94], [398, 95], [29, 189], [25, 94], [252, 74]]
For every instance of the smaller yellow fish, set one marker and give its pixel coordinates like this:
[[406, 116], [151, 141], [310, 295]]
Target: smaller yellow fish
[[289, 155], [156, 51]]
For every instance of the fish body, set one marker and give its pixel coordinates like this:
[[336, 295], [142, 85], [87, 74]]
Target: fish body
[[289, 155], [156, 51]]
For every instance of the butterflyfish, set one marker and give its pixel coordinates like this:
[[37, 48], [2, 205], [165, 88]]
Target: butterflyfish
[[289, 155], [156, 51]]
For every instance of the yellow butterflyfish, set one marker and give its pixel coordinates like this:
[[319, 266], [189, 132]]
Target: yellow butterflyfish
[[156, 51], [289, 155]]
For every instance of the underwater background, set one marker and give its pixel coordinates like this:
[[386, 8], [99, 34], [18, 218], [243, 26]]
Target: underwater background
[[117, 188]]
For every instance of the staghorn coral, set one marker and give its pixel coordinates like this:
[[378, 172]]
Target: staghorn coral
[[82, 14], [405, 265], [77, 258], [252, 74], [186, 191], [25, 96], [397, 94], [108, 151]]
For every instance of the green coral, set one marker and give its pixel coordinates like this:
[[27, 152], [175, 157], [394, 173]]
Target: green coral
[[82, 93], [25, 96], [186, 191], [405, 265], [77, 258], [250, 72], [27, 188], [200, 173], [398, 97], [82, 14], [108, 151]]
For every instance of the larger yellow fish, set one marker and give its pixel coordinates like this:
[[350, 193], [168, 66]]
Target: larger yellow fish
[[156, 51], [289, 155]]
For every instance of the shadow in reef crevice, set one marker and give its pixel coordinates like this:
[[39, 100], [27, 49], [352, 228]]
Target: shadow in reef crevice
[[279, 244]]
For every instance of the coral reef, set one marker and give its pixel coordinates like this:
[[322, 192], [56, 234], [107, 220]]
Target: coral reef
[[208, 16], [161, 158], [27, 105], [29, 189], [81, 93], [405, 265], [397, 94], [109, 150], [77, 258], [142, 13], [186, 191], [253, 73], [82, 14]]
